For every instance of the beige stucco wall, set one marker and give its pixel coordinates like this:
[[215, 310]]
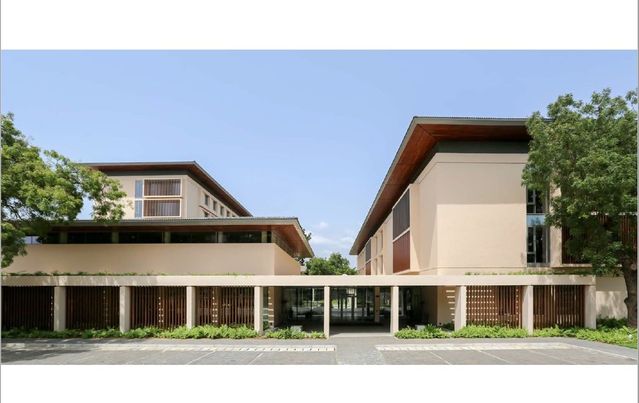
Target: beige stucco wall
[[265, 259], [611, 291]]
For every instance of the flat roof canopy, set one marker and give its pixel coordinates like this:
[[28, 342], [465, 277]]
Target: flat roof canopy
[[192, 167], [422, 135], [286, 227]]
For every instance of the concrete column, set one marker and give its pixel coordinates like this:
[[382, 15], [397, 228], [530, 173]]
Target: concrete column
[[394, 319], [59, 308], [327, 311], [460, 307], [527, 319], [125, 309], [590, 311], [258, 321], [191, 307], [377, 300]]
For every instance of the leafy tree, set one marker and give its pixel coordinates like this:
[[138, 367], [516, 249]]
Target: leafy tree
[[588, 152], [336, 264], [43, 188]]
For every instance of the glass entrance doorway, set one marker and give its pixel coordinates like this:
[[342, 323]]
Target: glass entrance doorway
[[360, 307]]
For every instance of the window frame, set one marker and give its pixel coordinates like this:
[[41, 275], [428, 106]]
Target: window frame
[[144, 195], [162, 199]]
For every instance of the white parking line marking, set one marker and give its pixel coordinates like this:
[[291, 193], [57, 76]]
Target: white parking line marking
[[168, 347]]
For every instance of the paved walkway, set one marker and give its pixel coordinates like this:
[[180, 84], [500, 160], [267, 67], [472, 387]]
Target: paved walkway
[[351, 349]]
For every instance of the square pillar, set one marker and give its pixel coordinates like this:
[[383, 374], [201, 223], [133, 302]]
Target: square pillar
[[191, 307], [327, 311], [258, 321], [59, 308], [527, 318], [590, 308], [460, 307], [125, 309], [394, 319]]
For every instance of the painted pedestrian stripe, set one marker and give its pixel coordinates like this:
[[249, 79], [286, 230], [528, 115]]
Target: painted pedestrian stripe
[[475, 346], [169, 347]]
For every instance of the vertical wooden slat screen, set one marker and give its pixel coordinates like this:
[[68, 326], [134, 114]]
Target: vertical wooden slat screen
[[93, 307], [561, 305], [401, 253], [493, 305], [163, 307], [206, 302], [27, 307], [235, 306], [162, 187]]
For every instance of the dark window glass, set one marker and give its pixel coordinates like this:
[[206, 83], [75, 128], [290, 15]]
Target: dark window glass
[[52, 237], [162, 187], [140, 237], [242, 237], [161, 208], [534, 202], [401, 215], [193, 237], [89, 237], [537, 244], [367, 255]]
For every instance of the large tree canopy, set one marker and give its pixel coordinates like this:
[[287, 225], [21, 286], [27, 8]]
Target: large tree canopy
[[583, 158], [41, 188], [336, 264]]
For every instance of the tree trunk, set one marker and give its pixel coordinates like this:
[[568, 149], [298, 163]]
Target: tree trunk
[[630, 276]]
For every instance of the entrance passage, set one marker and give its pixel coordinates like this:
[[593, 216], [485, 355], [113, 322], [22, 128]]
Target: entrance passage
[[360, 310]]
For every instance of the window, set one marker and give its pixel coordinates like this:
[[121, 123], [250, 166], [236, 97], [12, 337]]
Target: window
[[222, 211], [161, 208], [206, 200], [242, 237], [538, 233], [140, 237], [193, 237], [401, 215], [367, 253], [138, 189], [89, 237], [228, 213], [162, 187], [215, 205], [138, 208]]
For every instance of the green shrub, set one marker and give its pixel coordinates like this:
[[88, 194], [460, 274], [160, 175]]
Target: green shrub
[[478, 331], [292, 333], [428, 332], [612, 323], [615, 334]]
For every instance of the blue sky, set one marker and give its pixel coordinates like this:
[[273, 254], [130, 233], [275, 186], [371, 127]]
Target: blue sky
[[306, 134]]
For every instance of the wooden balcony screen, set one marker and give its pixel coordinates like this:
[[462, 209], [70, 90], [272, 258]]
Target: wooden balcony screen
[[27, 307], [162, 208], [561, 305], [163, 307], [93, 307], [493, 305], [401, 253], [235, 306]]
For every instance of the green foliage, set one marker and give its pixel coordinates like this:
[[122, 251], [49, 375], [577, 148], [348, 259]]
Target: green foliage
[[589, 151], [336, 264], [291, 333], [490, 332], [182, 332], [428, 332], [612, 333], [41, 188]]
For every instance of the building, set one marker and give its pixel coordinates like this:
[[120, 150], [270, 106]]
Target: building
[[452, 203], [452, 237]]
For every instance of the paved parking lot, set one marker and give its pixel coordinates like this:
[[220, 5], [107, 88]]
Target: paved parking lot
[[337, 350]]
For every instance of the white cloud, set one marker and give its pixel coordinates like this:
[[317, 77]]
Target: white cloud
[[322, 225]]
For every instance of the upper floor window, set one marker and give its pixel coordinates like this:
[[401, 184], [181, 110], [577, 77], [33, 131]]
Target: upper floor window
[[161, 208], [401, 215], [207, 200], [222, 211], [162, 187], [215, 206], [537, 243], [367, 253]]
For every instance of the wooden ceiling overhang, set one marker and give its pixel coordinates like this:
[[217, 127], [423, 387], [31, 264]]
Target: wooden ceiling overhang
[[288, 229], [191, 167], [422, 135]]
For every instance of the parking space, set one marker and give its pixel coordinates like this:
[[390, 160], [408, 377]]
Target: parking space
[[339, 350]]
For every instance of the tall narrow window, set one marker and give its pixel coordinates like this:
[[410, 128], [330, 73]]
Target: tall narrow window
[[139, 184], [206, 200], [538, 233]]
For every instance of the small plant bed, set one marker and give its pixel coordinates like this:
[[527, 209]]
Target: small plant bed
[[182, 332], [611, 331], [292, 333]]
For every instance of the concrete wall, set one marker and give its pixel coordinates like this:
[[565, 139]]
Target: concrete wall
[[611, 291], [157, 258]]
